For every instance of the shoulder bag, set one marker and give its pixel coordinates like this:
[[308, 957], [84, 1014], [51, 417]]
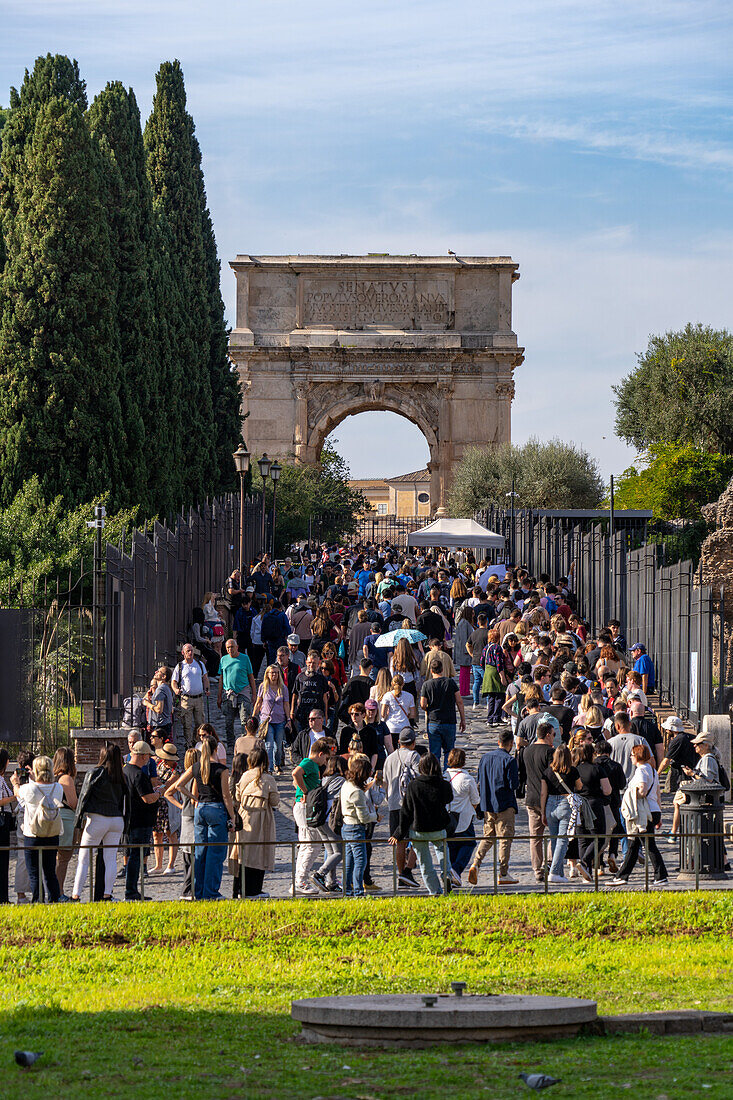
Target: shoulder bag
[[581, 808]]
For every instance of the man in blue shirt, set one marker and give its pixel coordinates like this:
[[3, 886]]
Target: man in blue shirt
[[237, 689], [498, 779], [644, 665]]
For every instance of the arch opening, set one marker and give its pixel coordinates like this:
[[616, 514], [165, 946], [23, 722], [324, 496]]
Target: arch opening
[[388, 456]]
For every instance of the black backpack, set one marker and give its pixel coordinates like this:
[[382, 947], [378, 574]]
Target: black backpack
[[723, 777], [316, 806]]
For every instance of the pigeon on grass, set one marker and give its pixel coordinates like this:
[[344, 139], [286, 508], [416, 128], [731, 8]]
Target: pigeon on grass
[[539, 1081], [26, 1058]]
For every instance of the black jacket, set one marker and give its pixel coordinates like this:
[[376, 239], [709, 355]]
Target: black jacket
[[99, 796], [424, 806]]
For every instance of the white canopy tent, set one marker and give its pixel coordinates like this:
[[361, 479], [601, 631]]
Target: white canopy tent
[[456, 532]]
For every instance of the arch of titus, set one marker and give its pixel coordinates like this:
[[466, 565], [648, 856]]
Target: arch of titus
[[318, 338]]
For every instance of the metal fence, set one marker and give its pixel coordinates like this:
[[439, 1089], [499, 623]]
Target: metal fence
[[150, 582], [152, 588]]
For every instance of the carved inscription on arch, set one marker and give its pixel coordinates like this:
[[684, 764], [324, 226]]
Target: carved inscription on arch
[[355, 303]]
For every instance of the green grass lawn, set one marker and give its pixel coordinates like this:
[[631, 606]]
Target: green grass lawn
[[193, 1000]]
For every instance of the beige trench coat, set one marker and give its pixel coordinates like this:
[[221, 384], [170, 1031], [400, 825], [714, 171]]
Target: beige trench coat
[[255, 804]]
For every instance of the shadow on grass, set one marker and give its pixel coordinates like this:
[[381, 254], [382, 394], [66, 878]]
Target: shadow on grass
[[238, 1054]]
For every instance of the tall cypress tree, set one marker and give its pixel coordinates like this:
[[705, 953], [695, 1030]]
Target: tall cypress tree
[[225, 392], [114, 121], [60, 414], [176, 202]]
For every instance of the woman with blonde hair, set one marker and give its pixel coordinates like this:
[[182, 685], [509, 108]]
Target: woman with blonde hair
[[458, 593], [257, 796], [41, 798], [397, 708], [357, 814], [382, 685], [273, 706], [64, 770], [214, 809]]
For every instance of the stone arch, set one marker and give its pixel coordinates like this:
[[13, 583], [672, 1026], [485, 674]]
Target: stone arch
[[319, 338], [329, 417]]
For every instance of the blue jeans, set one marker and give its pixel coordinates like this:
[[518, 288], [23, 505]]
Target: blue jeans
[[209, 827], [558, 813], [354, 859], [143, 835], [460, 849], [477, 678], [274, 743], [421, 843], [441, 736], [46, 860]]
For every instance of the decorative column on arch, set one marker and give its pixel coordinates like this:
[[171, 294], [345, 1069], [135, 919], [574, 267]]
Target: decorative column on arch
[[504, 396], [300, 431], [446, 386]]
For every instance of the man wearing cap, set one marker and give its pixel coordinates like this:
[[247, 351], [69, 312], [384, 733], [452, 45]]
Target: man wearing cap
[[399, 768], [143, 812], [237, 689], [190, 682], [644, 665], [295, 653]]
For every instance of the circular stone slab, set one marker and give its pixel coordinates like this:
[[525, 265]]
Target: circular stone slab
[[406, 1020]]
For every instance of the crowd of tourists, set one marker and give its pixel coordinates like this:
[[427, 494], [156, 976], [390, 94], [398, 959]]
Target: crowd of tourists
[[351, 673]]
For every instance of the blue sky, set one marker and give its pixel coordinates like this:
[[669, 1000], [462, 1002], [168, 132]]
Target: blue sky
[[590, 141]]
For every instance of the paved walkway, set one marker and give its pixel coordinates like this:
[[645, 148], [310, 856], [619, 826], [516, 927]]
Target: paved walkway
[[477, 740]]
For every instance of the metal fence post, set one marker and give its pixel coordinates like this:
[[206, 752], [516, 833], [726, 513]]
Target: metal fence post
[[91, 873], [545, 869], [394, 869], [496, 870], [292, 865], [646, 864], [595, 861], [142, 872], [445, 865]]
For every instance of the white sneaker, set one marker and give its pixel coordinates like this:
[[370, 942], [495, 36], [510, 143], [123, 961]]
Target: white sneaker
[[455, 879], [559, 879], [309, 891]]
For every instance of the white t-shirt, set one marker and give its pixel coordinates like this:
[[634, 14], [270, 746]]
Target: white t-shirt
[[189, 677], [397, 710]]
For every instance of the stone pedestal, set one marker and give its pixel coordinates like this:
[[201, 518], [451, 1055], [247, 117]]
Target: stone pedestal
[[89, 742]]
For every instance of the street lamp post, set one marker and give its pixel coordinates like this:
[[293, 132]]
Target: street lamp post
[[98, 524], [241, 464], [512, 547], [275, 471], [264, 465]]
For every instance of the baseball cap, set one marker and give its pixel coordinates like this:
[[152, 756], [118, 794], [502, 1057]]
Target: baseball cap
[[639, 645], [371, 704], [142, 748], [407, 736], [250, 588], [293, 639]]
